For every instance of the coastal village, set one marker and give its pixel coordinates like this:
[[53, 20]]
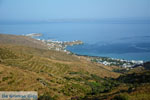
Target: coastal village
[[61, 46], [117, 62], [55, 44]]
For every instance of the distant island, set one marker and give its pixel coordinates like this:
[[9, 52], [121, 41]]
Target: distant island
[[34, 34]]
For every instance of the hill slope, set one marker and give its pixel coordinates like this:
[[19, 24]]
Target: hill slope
[[27, 64], [21, 40]]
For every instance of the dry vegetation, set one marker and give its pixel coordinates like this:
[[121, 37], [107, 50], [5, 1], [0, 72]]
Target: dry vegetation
[[27, 65]]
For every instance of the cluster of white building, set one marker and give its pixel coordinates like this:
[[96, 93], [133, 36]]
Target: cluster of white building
[[125, 63]]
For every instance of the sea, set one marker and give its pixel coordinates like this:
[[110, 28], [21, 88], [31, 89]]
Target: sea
[[129, 41]]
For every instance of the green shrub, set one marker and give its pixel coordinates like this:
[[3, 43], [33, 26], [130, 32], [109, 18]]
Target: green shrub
[[95, 87], [6, 78], [121, 97], [45, 97], [74, 89]]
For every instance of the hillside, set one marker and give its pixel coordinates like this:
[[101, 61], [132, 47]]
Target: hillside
[[21, 41], [26, 64], [132, 86]]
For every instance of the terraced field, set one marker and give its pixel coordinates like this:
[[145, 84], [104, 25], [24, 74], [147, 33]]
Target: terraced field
[[62, 76], [46, 71]]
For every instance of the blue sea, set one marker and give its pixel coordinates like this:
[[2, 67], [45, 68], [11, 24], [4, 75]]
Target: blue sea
[[130, 41]]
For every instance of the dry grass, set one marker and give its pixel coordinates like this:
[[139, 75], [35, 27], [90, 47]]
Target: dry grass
[[26, 64]]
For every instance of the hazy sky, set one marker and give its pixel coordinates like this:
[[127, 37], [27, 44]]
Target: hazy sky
[[64, 9]]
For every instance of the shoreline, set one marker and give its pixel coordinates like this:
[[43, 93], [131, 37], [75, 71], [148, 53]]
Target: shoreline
[[62, 45], [109, 61]]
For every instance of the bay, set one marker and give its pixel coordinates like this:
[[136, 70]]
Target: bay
[[118, 40]]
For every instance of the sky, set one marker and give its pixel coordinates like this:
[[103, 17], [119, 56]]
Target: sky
[[73, 9]]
